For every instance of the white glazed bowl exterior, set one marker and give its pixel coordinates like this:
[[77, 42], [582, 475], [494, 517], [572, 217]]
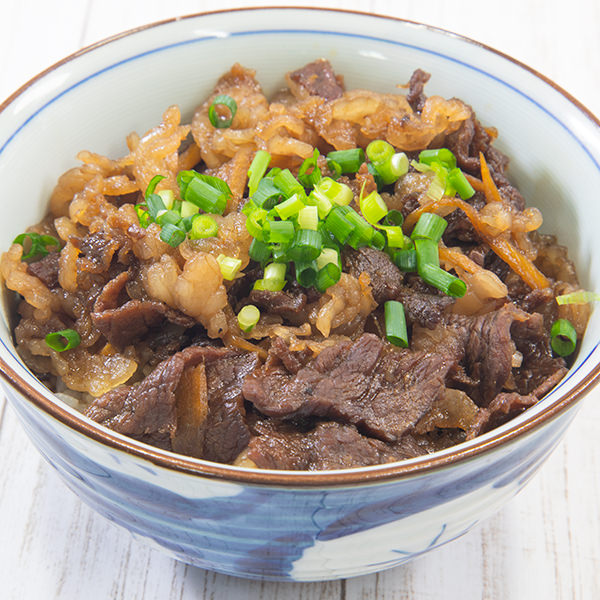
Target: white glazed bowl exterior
[[296, 526]]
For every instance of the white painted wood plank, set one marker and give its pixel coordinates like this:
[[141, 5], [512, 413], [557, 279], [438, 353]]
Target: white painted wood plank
[[544, 544]]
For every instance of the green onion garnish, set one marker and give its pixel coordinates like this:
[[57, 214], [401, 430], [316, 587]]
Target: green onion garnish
[[255, 222], [441, 279], [288, 184], [580, 297], [67, 339], [373, 208], [188, 209], [172, 235], [309, 173], [327, 276], [394, 217], [203, 226], [427, 253], [336, 192], [563, 337], [267, 194], [257, 169], [306, 246], [39, 244], [349, 161], [442, 156], [429, 226], [328, 255], [248, 317], [218, 121], [338, 224], [278, 232], [208, 192], [165, 217], [306, 273], [406, 260], [395, 324], [363, 233], [152, 185], [290, 207], [259, 251], [379, 152], [457, 179], [308, 218], [229, 266]]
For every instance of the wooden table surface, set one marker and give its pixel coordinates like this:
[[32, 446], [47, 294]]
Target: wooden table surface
[[544, 544]]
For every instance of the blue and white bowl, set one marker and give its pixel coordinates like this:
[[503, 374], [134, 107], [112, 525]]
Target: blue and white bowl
[[301, 526]]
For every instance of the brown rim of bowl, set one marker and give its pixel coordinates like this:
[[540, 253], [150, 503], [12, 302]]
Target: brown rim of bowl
[[378, 473]]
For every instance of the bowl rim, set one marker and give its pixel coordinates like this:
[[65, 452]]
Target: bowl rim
[[361, 475]]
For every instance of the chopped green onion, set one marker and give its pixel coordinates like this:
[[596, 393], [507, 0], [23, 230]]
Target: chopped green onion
[[427, 253], [394, 217], [306, 273], [460, 183], [278, 232], [288, 184], [378, 241], [335, 169], [290, 207], [172, 235], [213, 116], [259, 251], [308, 218], [437, 187], [379, 152], [144, 216], [229, 266], [373, 208], [206, 191], [429, 226], [395, 236], [334, 191], [267, 194], [363, 233], [439, 155], [203, 226], [67, 339], [188, 209], [270, 285], [349, 161], [563, 337], [328, 255], [393, 168], [376, 176], [168, 198], [152, 185], [248, 317], [442, 280], [255, 222], [338, 224], [275, 271], [306, 246], [327, 276], [579, 297], [310, 178], [395, 324], [39, 244], [165, 217], [406, 260], [280, 252], [155, 205], [257, 169]]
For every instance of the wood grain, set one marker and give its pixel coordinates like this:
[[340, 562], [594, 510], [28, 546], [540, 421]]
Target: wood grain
[[544, 544]]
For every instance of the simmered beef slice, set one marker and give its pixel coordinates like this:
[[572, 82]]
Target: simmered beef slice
[[381, 390], [508, 405], [483, 345], [532, 340], [328, 446], [416, 97], [123, 321], [386, 279], [289, 304], [316, 79], [46, 269], [147, 411], [226, 433], [423, 307], [97, 250]]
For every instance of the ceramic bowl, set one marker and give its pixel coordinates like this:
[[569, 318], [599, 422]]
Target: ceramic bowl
[[298, 526]]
